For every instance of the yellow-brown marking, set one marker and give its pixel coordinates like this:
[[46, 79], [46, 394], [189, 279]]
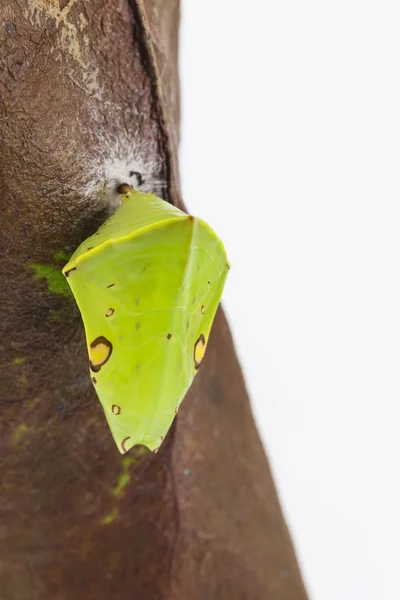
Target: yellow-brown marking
[[169, 336], [123, 444], [199, 350], [116, 410], [110, 312], [202, 310], [176, 409], [100, 351]]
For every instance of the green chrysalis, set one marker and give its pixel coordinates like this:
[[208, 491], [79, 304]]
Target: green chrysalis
[[148, 285]]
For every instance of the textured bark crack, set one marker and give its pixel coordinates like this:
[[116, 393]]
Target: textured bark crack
[[149, 59]]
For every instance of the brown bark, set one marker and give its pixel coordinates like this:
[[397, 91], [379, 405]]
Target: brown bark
[[89, 94]]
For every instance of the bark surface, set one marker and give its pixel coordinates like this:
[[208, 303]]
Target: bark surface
[[89, 99]]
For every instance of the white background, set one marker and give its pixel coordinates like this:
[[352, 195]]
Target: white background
[[291, 150]]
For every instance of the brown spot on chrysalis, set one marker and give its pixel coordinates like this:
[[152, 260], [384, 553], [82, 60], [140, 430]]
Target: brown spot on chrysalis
[[116, 410], [169, 336], [110, 312], [209, 282], [69, 271], [123, 444], [124, 188], [202, 310], [94, 380], [100, 351], [111, 285], [90, 248], [199, 350], [176, 409]]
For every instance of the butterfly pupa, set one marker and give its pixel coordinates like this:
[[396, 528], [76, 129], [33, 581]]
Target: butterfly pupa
[[147, 284]]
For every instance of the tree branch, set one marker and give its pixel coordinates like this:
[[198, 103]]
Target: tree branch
[[90, 100]]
